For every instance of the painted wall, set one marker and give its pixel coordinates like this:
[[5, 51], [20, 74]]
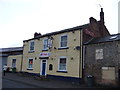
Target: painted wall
[[18, 61], [73, 55]]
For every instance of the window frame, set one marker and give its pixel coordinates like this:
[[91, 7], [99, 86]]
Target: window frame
[[45, 43], [62, 41], [15, 62], [62, 57], [31, 45], [29, 64]]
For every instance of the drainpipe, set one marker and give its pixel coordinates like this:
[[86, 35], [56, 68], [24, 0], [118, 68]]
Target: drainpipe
[[81, 55], [22, 60]]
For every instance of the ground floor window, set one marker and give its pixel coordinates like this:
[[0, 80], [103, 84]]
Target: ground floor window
[[62, 64], [30, 63], [13, 62]]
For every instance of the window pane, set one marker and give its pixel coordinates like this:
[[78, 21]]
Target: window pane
[[63, 44], [30, 63], [31, 45], [62, 64], [45, 44], [63, 41], [14, 63], [63, 60]]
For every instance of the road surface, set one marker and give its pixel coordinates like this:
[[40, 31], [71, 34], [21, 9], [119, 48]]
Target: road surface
[[6, 83]]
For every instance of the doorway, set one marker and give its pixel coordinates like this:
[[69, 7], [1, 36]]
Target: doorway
[[43, 67]]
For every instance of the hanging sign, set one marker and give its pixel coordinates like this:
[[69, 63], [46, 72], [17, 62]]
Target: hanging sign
[[45, 54]]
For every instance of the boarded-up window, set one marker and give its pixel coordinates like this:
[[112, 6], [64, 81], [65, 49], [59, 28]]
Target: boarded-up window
[[99, 54], [108, 73]]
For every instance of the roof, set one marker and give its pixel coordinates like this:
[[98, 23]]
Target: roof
[[3, 55], [11, 49], [114, 37], [61, 31]]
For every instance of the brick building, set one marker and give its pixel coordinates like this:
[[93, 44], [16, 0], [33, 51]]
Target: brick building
[[102, 59]]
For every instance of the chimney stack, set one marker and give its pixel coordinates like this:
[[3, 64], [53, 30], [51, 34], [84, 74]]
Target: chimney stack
[[102, 16], [37, 34]]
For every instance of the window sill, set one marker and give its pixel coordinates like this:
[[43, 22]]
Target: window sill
[[62, 71], [45, 50], [31, 51], [61, 48], [29, 68]]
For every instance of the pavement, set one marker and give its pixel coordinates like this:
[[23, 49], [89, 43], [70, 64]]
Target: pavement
[[40, 83]]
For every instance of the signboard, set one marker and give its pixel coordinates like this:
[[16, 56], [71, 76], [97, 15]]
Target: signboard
[[45, 54]]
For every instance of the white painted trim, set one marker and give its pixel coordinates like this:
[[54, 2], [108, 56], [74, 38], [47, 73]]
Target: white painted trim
[[60, 41], [41, 63], [59, 62]]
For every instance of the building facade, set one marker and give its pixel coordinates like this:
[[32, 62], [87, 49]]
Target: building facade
[[11, 56], [60, 54]]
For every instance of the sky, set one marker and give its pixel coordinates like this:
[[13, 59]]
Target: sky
[[20, 19]]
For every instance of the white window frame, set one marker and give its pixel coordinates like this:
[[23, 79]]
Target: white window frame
[[59, 63], [30, 45], [61, 41], [15, 62], [99, 54], [28, 63], [45, 44]]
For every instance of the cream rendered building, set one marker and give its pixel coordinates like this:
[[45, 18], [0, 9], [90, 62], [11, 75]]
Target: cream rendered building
[[54, 54], [14, 61]]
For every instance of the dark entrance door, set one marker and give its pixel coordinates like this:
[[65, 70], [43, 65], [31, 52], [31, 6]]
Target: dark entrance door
[[43, 71]]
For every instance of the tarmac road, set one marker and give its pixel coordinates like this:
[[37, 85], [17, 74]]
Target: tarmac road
[[14, 84]]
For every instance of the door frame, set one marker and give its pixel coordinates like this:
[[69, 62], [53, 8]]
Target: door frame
[[41, 68]]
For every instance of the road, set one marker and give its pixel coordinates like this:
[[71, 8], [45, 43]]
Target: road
[[6, 83]]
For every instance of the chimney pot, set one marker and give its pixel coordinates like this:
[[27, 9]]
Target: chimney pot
[[102, 16]]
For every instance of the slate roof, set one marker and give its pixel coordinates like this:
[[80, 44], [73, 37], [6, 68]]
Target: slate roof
[[114, 37], [62, 31], [3, 55], [11, 49]]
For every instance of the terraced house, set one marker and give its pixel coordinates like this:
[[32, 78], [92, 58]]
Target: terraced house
[[60, 54]]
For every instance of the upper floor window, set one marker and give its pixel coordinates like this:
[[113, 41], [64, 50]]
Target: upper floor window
[[45, 44], [63, 41], [31, 46]]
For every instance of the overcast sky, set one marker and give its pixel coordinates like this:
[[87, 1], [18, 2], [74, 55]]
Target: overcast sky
[[20, 19]]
